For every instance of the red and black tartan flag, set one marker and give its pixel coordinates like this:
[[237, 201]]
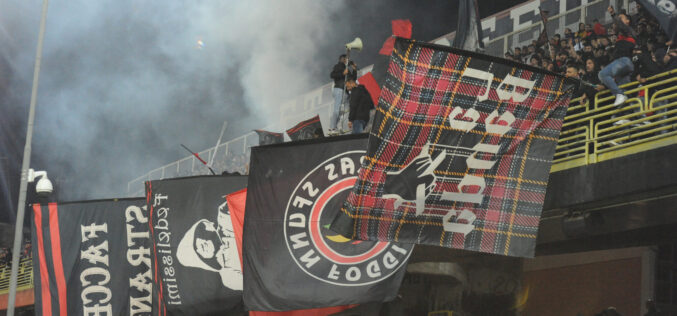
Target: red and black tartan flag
[[308, 129], [92, 258], [459, 153]]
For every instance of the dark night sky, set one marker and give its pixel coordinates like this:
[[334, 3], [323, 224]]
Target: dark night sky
[[123, 84]]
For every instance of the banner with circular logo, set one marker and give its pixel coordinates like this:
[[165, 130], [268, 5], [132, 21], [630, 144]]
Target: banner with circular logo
[[292, 260]]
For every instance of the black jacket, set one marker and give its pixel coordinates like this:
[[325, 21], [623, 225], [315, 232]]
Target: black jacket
[[338, 76], [360, 104], [645, 66], [623, 47]]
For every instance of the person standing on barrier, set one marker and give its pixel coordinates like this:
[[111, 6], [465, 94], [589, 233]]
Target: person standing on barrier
[[338, 73], [360, 105], [619, 70]]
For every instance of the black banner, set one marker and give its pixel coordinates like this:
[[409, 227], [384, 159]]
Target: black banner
[[665, 11], [291, 259], [268, 138], [92, 258], [308, 129], [198, 267]]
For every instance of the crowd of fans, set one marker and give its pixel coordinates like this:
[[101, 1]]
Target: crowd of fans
[[6, 254], [585, 52]]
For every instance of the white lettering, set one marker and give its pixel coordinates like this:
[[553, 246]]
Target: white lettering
[[308, 258], [90, 231], [95, 289], [333, 273], [347, 166], [158, 199], [468, 181], [482, 75], [309, 188], [456, 226], [96, 254], [389, 260], [463, 125], [297, 220], [331, 174], [297, 240], [353, 274], [505, 95], [300, 202], [493, 121], [373, 269]]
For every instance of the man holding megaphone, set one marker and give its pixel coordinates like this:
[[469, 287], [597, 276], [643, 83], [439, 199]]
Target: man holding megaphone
[[339, 75]]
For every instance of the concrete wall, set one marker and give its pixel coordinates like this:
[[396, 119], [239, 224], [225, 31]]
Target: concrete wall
[[588, 282]]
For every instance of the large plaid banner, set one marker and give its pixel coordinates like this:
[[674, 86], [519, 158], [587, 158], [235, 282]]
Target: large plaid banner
[[460, 152]]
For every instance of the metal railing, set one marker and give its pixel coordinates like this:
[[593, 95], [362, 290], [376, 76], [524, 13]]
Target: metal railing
[[25, 279], [599, 131], [232, 155]]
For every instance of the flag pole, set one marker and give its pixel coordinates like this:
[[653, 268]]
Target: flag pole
[[198, 158], [218, 142], [21, 207]]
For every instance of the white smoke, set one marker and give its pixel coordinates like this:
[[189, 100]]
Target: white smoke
[[124, 82]]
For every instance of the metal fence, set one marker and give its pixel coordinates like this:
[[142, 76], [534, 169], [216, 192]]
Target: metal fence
[[25, 276], [233, 155]]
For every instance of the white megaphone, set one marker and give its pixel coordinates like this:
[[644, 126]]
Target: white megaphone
[[356, 44]]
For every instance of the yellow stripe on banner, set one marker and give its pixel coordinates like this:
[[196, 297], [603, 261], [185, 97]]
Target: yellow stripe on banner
[[449, 128], [516, 199], [439, 133], [520, 180], [558, 93], [380, 131], [498, 105], [505, 233]]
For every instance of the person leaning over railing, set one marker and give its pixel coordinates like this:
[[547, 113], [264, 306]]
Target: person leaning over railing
[[621, 67]]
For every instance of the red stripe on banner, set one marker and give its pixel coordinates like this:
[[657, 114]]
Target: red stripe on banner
[[236, 206], [56, 257], [149, 193], [303, 124], [370, 83], [44, 275]]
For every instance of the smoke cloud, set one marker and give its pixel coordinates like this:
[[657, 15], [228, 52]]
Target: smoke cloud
[[123, 83]]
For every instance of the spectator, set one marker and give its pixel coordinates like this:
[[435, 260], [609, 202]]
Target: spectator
[[577, 44], [591, 76], [586, 53], [667, 58], [645, 64], [518, 53], [568, 33], [531, 51], [621, 67], [352, 71], [581, 30], [508, 56], [535, 61], [360, 105], [598, 28], [338, 73], [572, 72], [554, 41]]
